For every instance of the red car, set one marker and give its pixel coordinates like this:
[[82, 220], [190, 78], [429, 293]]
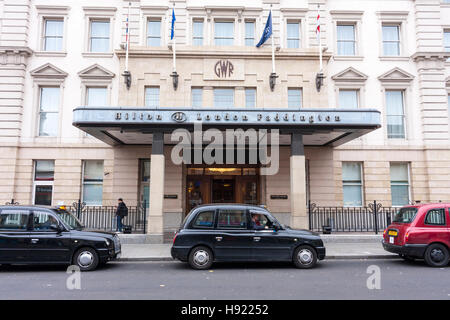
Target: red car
[[420, 231]]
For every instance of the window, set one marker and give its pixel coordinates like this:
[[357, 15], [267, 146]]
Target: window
[[154, 33], [96, 96], [405, 215], [391, 40], [399, 184], [348, 99], [293, 35], [224, 33], [53, 35], [204, 219], [352, 184], [14, 219], [197, 33], [250, 97], [93, 182], [346, 45], [435, 217], [43, 220], [395, 114], [99, 36], [447, 41], [223, 97], [44, 172], [152, 97], [233, 219], [48, 111], [197, 97], [250, 33], [294, 98], [259, 221]]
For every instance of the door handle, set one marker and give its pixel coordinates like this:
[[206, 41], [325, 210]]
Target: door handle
[[256, 238], [219, 238], [34, 240]]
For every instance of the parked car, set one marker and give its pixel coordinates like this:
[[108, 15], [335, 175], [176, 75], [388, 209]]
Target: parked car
[[236, 232], [44, 235], [420, 231]]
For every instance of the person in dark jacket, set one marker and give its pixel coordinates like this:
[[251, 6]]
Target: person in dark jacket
[[121, 212]]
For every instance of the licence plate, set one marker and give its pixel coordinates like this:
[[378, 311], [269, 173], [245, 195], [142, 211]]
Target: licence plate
[[393, 233], [391, 239]]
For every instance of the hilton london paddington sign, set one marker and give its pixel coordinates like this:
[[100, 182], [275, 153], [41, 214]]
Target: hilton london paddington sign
[[277, 117]]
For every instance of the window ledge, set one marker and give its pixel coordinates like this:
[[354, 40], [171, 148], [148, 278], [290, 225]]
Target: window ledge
[[393, 58], [348, 58], [97, 54], [50, 53]]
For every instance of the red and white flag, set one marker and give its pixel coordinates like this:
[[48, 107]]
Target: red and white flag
[[318, 25]]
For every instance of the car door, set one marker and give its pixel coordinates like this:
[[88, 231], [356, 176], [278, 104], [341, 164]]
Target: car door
[[233, 239], [269, 244], [47, 244], [14, 235]]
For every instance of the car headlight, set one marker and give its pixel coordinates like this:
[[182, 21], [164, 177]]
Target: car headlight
[[108, 243]]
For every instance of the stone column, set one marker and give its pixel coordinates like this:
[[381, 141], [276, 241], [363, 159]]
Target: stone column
[[299, 216], [156, 196]]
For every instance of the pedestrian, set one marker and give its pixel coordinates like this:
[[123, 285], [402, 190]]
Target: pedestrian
[[121, 212]]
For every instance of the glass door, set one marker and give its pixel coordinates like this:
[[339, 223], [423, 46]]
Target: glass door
[[223, 191]]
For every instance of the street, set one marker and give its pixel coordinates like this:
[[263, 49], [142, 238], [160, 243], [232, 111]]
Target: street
[[331, 279]]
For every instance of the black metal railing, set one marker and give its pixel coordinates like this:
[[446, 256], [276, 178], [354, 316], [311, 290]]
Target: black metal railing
[[372, 218], [104, 217]]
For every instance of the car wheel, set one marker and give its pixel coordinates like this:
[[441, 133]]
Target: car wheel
[[86, 259], [305, 257], [436, 255], [201, 258], [407, 258]]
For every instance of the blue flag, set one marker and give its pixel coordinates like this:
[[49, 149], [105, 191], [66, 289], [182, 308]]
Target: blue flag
[[267, 31], [172, 33]]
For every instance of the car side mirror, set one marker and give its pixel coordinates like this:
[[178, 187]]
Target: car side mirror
[[57, 228]]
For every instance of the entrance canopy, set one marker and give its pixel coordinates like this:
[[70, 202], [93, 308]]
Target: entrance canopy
[[135, 126]]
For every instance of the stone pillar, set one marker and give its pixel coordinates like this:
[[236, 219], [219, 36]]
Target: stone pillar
[[156, 196], [299, 216]]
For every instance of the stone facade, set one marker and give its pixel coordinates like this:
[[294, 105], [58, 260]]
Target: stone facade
[[421, 71]]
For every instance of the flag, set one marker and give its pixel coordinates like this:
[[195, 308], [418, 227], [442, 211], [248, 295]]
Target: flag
[[172, 32], [318, 25], [126, 31], [267, 31]]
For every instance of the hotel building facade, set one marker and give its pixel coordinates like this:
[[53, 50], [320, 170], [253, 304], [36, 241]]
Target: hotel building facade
[[71, 128]]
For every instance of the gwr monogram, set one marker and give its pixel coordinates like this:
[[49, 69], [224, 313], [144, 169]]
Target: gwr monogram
[[223, 68]]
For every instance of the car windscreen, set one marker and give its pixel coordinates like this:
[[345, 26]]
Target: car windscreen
[[405, 215], [69, 219]]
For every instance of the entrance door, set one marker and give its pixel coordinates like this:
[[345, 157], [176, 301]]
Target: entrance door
[[223, 191], [198, 191]]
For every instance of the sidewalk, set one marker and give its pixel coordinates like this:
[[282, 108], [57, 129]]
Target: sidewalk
[[337, 246]]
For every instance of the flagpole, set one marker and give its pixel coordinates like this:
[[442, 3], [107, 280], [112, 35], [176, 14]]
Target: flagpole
[[320, 39], [273, 48], [126, 74], [174, 54], [128, 37], [174, 74]]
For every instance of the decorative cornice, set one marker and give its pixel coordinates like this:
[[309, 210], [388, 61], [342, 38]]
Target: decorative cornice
[[346, 75], [16, 50], [42, 72], [437, 55], [396, 75], [102, 73], [194, 52]]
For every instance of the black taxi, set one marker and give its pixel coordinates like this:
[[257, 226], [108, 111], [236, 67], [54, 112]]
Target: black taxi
[[44, 235], [237, 232]]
